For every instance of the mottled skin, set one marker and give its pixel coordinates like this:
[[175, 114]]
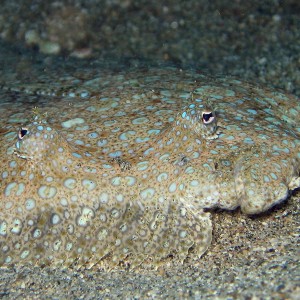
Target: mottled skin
[[123, 164]]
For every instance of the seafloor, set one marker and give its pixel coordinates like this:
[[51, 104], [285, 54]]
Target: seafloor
[[258, 41]]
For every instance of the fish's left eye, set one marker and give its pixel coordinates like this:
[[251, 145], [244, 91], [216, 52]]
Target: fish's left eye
[[207, 117], [22, 132]]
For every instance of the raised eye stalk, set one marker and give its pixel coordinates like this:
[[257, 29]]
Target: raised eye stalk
[[201, 120]]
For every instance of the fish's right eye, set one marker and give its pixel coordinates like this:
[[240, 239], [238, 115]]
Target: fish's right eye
[[22, 132]]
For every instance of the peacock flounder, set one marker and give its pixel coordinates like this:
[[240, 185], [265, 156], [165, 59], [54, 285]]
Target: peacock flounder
[[121, 165]]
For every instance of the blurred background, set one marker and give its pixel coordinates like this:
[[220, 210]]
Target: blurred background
[[253, 40]]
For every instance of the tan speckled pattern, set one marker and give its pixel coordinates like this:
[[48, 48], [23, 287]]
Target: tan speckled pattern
[[124, 163]]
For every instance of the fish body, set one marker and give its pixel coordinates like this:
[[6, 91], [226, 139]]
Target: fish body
[[124, 165]]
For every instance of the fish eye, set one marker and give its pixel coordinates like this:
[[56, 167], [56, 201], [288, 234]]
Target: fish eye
[[22, 132], [207, 117]]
